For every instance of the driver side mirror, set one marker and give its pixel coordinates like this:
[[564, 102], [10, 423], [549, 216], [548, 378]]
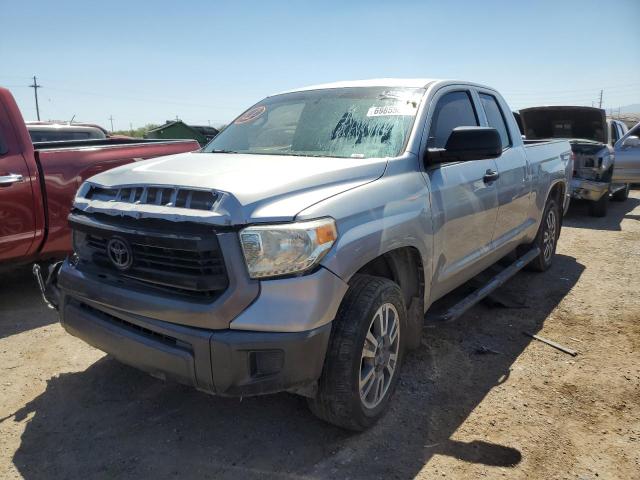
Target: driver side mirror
[[468, 143], [632, 141]]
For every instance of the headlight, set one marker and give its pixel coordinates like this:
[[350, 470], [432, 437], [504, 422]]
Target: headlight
[[275, 250]]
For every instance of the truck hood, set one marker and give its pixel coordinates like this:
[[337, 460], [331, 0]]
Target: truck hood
[[249, 188], [586, 123]]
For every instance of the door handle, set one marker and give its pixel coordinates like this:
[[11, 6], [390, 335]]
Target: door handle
[[10, 179], [490, 176]]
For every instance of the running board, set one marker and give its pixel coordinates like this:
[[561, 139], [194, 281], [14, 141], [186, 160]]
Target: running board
[[457, 310]]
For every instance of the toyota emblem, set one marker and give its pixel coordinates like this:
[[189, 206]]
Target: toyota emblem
[[119, 253]]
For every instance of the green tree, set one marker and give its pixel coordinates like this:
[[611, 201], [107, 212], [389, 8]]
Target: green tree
[[137, 132]]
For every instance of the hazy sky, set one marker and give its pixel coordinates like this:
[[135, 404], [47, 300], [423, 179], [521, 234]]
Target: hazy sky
[[146, 62]]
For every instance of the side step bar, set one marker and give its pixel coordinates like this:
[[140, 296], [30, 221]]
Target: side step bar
[[457, 310]]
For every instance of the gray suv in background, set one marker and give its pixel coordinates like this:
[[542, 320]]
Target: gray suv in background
[[301, 248]]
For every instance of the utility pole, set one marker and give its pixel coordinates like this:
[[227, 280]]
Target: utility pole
[[35, 87], [601, 91], [111, 120]]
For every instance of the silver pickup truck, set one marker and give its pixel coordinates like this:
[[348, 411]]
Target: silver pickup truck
[[603, 165], [301, 248]]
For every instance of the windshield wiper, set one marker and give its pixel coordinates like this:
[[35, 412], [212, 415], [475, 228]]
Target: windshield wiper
[[218, 150]]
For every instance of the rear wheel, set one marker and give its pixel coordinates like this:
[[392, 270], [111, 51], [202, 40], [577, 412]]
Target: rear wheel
[[599, 208], [622, 194], [365, 352], [547, 238]]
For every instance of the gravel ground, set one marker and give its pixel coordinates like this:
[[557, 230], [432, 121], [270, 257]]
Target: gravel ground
[[526, 411]]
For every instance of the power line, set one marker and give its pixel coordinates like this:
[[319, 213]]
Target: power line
[[534, 92], [136, 99], [620, 92], [35, 87]]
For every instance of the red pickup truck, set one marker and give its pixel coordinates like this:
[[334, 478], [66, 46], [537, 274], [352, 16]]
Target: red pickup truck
[[38, 183]]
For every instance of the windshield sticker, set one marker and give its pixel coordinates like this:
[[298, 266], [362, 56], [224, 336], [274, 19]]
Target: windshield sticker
[[391, 110], [251, 115]]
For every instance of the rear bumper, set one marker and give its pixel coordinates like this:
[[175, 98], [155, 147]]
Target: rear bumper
[[588, 189], [223, 362]]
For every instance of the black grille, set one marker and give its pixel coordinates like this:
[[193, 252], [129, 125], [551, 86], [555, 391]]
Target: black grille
[[159, 337], [185, 264], [165, 196]]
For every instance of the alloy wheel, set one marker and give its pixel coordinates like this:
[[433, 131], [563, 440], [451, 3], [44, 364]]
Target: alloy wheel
[[379, 358], [549, 236]]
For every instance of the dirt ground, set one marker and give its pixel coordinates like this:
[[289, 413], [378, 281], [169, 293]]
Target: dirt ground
[[527, 411]]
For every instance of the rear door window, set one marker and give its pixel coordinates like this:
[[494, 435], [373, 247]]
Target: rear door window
[[454, 109], [495, 117]]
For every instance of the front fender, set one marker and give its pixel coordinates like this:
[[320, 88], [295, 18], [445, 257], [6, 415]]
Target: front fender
[[390, 213]]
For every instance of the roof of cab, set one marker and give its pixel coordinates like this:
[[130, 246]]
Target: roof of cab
[[374, 82]]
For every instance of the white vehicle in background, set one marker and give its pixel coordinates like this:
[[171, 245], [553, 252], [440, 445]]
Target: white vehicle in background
[[596, 144], [57, 132]]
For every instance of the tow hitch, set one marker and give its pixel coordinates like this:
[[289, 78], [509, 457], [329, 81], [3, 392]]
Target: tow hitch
[[49, 286]]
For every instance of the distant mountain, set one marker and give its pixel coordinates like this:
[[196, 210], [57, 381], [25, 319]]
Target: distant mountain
[[634, 108]]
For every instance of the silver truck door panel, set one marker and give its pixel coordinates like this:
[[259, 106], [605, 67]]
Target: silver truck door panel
[[514, 184], [464, 200], [464, 209], [513, 196], [627, 158]]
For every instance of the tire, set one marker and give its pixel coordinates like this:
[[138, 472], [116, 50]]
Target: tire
[[599, 208], [340, 400], [622, 194], [547, 237]]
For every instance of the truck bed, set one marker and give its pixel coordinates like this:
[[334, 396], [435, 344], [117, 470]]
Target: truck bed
[[63, 166], [100, 142]]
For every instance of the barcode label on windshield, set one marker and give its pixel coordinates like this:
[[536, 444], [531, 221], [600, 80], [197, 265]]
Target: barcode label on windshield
[[391, 110]]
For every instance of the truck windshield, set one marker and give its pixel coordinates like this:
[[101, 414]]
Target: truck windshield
[[357, 122]]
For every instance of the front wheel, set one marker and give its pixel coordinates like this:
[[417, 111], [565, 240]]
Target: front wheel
[[364, 355], [547, 237]]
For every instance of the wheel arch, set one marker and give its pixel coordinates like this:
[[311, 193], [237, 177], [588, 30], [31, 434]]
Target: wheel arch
[[404, 266], [557, 191]]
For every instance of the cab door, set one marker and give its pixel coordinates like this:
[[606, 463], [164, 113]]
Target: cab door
[[514, 186], [17, 219], [627, 157], [464, 196]]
